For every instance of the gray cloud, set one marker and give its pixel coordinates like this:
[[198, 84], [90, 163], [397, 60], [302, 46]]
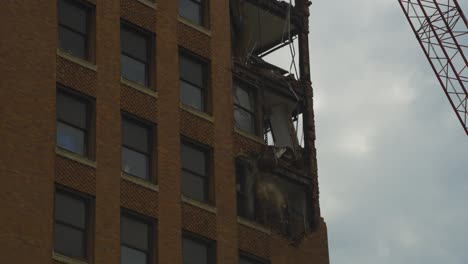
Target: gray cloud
[[392, 155]]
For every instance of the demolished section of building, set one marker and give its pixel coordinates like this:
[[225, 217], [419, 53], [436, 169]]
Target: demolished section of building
[[276, 186]]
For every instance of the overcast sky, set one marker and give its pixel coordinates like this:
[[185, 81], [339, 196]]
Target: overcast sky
[[392, 156]]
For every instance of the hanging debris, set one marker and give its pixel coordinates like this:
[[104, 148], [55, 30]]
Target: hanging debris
[[274, 187]]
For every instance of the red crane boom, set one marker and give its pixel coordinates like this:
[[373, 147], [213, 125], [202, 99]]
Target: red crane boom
[[442, 30]]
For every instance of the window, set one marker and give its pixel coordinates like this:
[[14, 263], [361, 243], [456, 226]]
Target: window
[[136, 238], [193, 83], [71, 225], [244, 109], [298, 213], [197, 250], [245, 191], [73, 28], [195, 175], [192, 10], [73, 114], [136, 148], [249, 259], [136, 53]]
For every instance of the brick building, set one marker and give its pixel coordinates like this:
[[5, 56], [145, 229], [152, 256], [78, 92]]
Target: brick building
[[135, 131]]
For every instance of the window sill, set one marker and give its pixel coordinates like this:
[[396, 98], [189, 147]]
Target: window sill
[[64, 259], [198, 113], [249, 136], [76, 60], [140, 182], [253, 225], [195, 26], [148, 3], [200, 205], [138, 87], [74, 157]]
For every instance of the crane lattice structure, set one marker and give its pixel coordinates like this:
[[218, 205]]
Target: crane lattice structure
[[442, 30]]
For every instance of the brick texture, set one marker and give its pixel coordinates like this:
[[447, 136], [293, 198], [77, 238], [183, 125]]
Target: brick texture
[[139, 104], [30, 167], [27, 134], [199, 221], [193, 40], [139, 14], [245, 145], [73, 75], [139, 199], [75, 175], [196, 128], [254, 242]]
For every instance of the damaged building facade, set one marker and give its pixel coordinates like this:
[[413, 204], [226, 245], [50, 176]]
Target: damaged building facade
[[276, 183], [151, 131]]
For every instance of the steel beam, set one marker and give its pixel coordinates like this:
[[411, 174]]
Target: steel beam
[[442, 31]]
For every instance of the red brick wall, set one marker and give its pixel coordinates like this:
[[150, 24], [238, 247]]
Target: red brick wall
[[139, 104], [27, 130], [75, 175], [76, 77], [30, 167], [138, 14], [139, 199]]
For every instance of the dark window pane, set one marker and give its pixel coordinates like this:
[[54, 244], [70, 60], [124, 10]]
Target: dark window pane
[[193, 159], [69, 241], [73, 15], [244, 99], [72, 42], [135, 136], [191, 95], [134, 44], [134, 70], [135, 163], [194, 252], [245, 190], [134, 233], [241, 176], [71, 110], [244, 120], [71, 139], [70, 210], [191, 11], [194, 186], [191, 71], [132, 256], [296, 199]]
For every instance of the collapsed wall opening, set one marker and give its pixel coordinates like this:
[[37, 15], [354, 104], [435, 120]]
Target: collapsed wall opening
[[259, 27], [274, 186], [273, 199]]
